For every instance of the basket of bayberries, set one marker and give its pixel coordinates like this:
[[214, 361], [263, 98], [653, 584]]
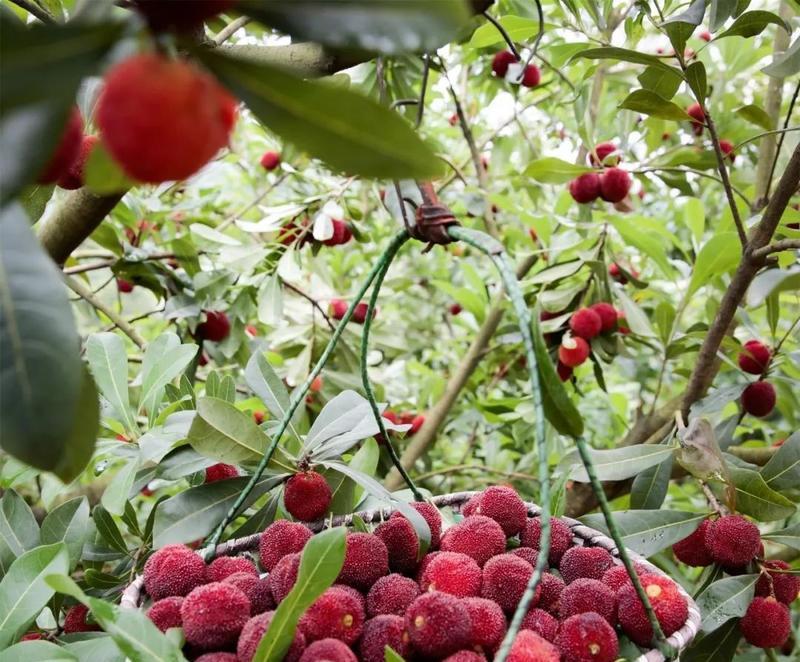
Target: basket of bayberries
[[453, 604]]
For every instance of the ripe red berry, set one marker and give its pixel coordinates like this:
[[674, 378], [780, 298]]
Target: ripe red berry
[[365, 561], [455, 308], [759, 398], [585, 188], [477, 536], [505, 507], [607, 313], [255, 588], [283, 576], [754, 357], [72, 178], [213, 615], [341, 234], [488, 624], [360, 313], [328, 650], [380, 632], [453, 573], [782, 585], [401, 540], [587, 638], [437, 624], [453, 120], [531, 76], [586, 323], [280, 539], [733, 541], [573, 351], [670, 607], [217, 656], [584, 595], [616, 273], [220, 471], [163, 15], [465, 656], [255, 629], [225, 566], [614, 184], [337, 308], [307, 496], [501, 61], [66, 151], [270, 160], [692, 550], [75, 620], [766, 623], [726, 146], [166, 613], [617, 576], [530, 646], [163, 119], [391, 595], [173, 570], [705, 35], [695, 111], [215, 328], [124, 286], [590, 562], [601, 151], [564, 371], [416, 424], [505, 578], [542, 623], [429, 513], [336, 614]]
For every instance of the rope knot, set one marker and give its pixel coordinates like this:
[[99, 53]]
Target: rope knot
[[432, 218]]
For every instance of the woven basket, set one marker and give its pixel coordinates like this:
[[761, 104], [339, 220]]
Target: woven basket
[[134, 595]]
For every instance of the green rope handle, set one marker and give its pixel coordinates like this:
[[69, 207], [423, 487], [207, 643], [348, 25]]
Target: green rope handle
[[300, 394], [494, 250], [390, 254]]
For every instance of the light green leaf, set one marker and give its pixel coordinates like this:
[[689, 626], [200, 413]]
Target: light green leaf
[[752, 23], [718, 256], [102, 175], [782, 472], [109, 364], [164, 359], [36, 651], [696, 77], [624, 55], [648, 102], [635, 316], [755, 498], [68, 523], [651, 485], [725, 599], [519, 28], [789, 536], [756, 115], [639, 237], [551, 170], [786, 64], [621, 463], [19, 531], [221, 431], [116, 493]]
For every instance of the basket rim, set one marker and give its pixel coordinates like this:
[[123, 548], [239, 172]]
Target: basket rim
[[132, 596]]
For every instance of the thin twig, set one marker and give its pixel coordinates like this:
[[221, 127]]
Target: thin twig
[[35, 10], [762, 135], [780, 140], [311, 300], [506, 37], [777, 247], [228, 31], [421, 105], [699, 173], [85, 293]]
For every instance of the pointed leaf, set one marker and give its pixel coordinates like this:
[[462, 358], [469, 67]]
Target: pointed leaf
[[19, 530], [109, 364], [621, 463], [782, 472], [755, 498], [725, 599], [221, 431], [68, 523]]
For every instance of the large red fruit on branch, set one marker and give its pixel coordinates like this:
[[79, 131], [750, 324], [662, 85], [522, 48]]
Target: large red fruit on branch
[[67, 150], [573, 351], [601, 151], [163, 119], [180, 16], [695, 111], [73, 178], [614, 184], [501, 61], [754, 357], [586, 188], [531, 77], [759, 398], [216, 327]]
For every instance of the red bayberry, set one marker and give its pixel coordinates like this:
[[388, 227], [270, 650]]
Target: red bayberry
[[255, 588], [584, 595], [589, 562], [173, 570], [607, 313], [726, 147], [270, 160], [488, 624], [573, 351], [220, 471], [453, 573], [124, 286], [614, 184], [341, 234], [759, 398], [401, 540], [505, 507], [166, 613], [477, 536], [692, 550], [586, 323], [669, 605], [501, 61], [585, 188], [365, 560], [542, 623], [455, 308], [73, 177], [438, 624], [328, 650], [307, 496], [66, 151], [215, 328], [213, 615], [530, 647], [705, 35], [754, 357], [428, 511], [587, 638], [338, 308], [281, 539], [784, 585], [255, 629], [336, 614], [564, 371], [360, 313], [732, 541], [391, 595], [695, 111], [531, 76], [601, 151], [617, 576], [766, 623], [383, 631], [75, 620], [225, 566], [505, 578]]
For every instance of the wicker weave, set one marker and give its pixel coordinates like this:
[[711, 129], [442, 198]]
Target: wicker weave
[[133, 596]]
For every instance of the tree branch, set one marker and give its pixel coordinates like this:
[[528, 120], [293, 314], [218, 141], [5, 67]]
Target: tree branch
[[777, 247], [35, 10], [85, 293]]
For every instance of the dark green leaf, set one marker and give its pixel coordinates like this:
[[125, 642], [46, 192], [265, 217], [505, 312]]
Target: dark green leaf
[[752, 23], [663, 82], [19, 531], [680, 27], [346, 130], [320, 564], [551, 170], [69, 523], [756, 115], [789, 536], [721, 10], [721, 644], [384, 26], [786, 64], [725, 599], [696, 77], [621, 463], [782, 472], [624, 55], [650, 103], [650, 486], [37, 651], [755, 498], [222, 432], [108, 529]]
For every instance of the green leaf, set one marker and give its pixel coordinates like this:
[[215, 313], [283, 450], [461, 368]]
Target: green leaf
[[782, 472], [650, 486], [558, 408], [195, 513], [786, 64], [19, 530], [772, 281], [133, 632], [221, 431], [320, 564], [721, 644], [635, 316], [725, 599], [621, 463], [756, 115], [42, 394], [108, 529], [718, 256], [696, 77], [551, 170], [390, 655], [624, 55], [519, 28], [80, 444], [164, 359], [384, 26], [116, 493], [556, 272], [68, 523], [752, 23], [721, 10], [789, 536], [346, 130], [650, 103], [36, 651], [663, 82], [647, 532], [755, 498], [23, 591], [102, 174], [680, 27], [634, 234], [266, 384], [109, 364]]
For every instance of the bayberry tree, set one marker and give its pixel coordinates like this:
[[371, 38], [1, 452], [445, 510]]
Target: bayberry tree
[[373, 330]]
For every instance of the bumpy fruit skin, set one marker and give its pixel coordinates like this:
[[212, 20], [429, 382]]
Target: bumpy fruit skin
[[477, 536], [255, 588], [550, 596], [732, 541], [586, 188], [505, 578], [784, 585], [75, 620], [614, 184], [307, 496], [531, 76], [452, 573], [608, 315], [220, 471], [173, 570], [586, 323], [162, 119], [279, 539], [254, 630], [766, 623], [465, 656], [695, 111], [360, 313], [726, 147], [759, 398], [217, 656], [180, 16], [382, 631], [213, 615], [584, 595], [283, 576], [341, 234], [401, 540], [216, 327], [530, 647], [438, 624], [542, 623], [669, 605], [587, 638], [366, 559], [589, 562], [526, 554], [500, 63], [574, 352], [336, 614], [270, 160], [692, 550], [124, 286], [429, 513], [601, 151], [488, 624], [471, 507], [337, 308], [166, 613], [66, 151], [328, 650], [391, 595], [225, 566], [754, 357], [73, 177], [505, 507], [617, 576]]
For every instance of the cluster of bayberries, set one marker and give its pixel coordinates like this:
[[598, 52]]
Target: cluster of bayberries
[[501, 63], [612, 184], [299, 232], [759, 397], [454, 604], [734, 543]]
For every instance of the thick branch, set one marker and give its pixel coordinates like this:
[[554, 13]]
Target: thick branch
[[777, 247], [304, 59]]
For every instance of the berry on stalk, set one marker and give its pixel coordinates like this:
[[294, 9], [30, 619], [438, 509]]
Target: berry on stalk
[[307, 496]]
